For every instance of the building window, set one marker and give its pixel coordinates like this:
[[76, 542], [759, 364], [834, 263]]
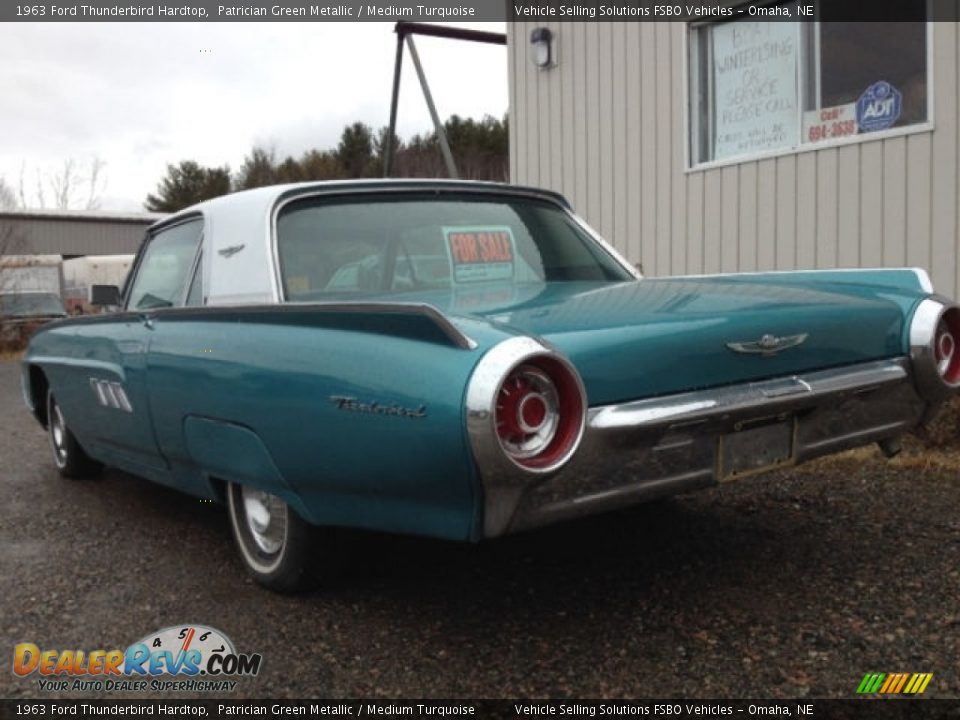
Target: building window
[[760, 86]]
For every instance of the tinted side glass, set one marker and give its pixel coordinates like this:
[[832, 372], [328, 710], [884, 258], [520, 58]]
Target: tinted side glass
[[165, 267]]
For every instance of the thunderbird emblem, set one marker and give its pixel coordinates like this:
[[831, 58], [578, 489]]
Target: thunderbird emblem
[[232, 250], [768, 344]]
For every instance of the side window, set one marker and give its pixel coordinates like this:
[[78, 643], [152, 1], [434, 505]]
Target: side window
[[195, 296], [164, 269]]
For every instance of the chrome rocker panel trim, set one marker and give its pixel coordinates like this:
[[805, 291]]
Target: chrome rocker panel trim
[[655, 447]]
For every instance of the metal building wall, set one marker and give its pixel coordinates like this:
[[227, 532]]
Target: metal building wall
[[606, 128], [43, 233]]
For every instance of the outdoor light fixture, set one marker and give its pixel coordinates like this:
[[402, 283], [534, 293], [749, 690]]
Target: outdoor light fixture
[[541, 48]]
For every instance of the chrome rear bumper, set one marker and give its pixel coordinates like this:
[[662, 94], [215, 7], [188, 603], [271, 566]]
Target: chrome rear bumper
[[662, 446]]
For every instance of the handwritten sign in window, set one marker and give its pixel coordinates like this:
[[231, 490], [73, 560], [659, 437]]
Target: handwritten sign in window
[[755, 83]]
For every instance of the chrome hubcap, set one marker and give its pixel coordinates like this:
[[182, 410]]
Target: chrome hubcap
[[58, 431], [266, 519]]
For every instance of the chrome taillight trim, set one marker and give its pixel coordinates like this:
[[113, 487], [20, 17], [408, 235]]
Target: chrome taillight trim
[[923, 334], [503, 477]]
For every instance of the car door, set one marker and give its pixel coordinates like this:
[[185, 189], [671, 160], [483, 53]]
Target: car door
[[160, 280]]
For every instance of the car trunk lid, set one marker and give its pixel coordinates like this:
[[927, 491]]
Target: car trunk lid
[[656, 337]]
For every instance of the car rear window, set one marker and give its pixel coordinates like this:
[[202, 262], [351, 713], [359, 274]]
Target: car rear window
[[409, 242]]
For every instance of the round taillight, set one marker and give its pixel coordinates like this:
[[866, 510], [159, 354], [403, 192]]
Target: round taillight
[[539, 413], [946, 347]]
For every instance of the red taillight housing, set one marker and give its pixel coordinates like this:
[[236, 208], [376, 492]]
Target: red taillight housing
[[526, 412], [946, 347], [539, 413], [935, 349]]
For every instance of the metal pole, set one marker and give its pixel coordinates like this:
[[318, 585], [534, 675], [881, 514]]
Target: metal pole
[[438, 126], [388, 144]]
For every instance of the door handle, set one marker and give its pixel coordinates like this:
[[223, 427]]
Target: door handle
[[147, 321]]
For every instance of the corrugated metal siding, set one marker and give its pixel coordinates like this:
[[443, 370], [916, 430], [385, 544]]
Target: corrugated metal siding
[[606, 128], [70, 237]]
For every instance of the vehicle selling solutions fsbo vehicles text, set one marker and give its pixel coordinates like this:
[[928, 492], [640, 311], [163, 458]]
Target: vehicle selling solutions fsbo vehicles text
[[545, 11]]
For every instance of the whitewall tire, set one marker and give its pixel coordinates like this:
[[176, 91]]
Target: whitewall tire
[[71, 460], [272, 539]]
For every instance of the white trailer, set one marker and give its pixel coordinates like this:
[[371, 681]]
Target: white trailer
[[80, 274]]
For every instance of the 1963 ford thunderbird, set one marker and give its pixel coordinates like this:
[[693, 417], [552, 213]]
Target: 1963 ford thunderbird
[[463, 360]]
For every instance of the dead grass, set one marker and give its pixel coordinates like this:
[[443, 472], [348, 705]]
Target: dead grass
[[14, 337], [943, 432]]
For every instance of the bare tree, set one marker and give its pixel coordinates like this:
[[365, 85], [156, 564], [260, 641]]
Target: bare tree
[[11, 239], [75, 186], [8, 200]]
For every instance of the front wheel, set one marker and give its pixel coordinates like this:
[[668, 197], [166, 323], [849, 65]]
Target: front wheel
[[273, 540], [71, 460]]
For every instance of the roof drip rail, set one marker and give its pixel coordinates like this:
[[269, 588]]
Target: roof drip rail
[[405, 32]]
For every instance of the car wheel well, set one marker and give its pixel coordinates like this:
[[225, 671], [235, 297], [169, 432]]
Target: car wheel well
[[219, 488], [38, 393]]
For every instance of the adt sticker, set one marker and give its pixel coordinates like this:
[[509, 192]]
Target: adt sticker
[[879, 107]]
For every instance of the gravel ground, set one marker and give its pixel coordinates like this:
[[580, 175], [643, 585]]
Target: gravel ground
[[787, 585]]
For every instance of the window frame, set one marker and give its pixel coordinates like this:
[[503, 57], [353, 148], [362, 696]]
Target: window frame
[[691, 119], [138, 261]]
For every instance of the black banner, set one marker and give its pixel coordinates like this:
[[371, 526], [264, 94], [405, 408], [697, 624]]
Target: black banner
[[872, 708], [436, 11]]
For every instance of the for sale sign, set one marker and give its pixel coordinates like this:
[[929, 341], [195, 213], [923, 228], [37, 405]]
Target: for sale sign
[[479, 254], [879, 107]]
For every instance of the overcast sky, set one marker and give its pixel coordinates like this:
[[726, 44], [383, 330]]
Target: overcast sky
[[141, 95]]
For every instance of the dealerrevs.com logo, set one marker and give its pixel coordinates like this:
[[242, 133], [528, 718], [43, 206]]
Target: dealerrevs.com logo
[[188, 658]]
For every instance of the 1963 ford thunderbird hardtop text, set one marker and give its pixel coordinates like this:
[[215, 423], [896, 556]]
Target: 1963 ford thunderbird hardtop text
[[463, 360]]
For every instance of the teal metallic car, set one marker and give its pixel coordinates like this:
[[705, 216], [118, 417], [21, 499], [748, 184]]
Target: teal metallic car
[[463, 360]]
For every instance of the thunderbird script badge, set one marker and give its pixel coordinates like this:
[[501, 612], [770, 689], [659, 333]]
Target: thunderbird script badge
[[768, 344]]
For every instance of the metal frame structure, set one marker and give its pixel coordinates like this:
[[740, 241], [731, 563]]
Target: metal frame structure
[[405, 32]]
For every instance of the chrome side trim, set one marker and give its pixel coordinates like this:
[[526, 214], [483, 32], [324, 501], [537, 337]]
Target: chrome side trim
[[923, 277], [111, 394], [703, 405]]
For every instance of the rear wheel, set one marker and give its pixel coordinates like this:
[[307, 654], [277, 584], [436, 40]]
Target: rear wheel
[[273, 540], [71, 460]]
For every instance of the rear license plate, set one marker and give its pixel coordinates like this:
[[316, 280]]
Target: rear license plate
[[761, 445]]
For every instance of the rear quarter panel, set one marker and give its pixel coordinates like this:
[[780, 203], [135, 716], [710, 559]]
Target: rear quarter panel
[[336, 466]]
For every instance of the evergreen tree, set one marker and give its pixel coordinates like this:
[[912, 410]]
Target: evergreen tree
[[186, 184]]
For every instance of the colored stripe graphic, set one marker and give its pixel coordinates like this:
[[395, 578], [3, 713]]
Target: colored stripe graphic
[[894, 683], [918, 683], [871, 683]]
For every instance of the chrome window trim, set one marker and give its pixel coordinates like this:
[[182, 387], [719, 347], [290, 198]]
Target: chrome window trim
[[195, 272]]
